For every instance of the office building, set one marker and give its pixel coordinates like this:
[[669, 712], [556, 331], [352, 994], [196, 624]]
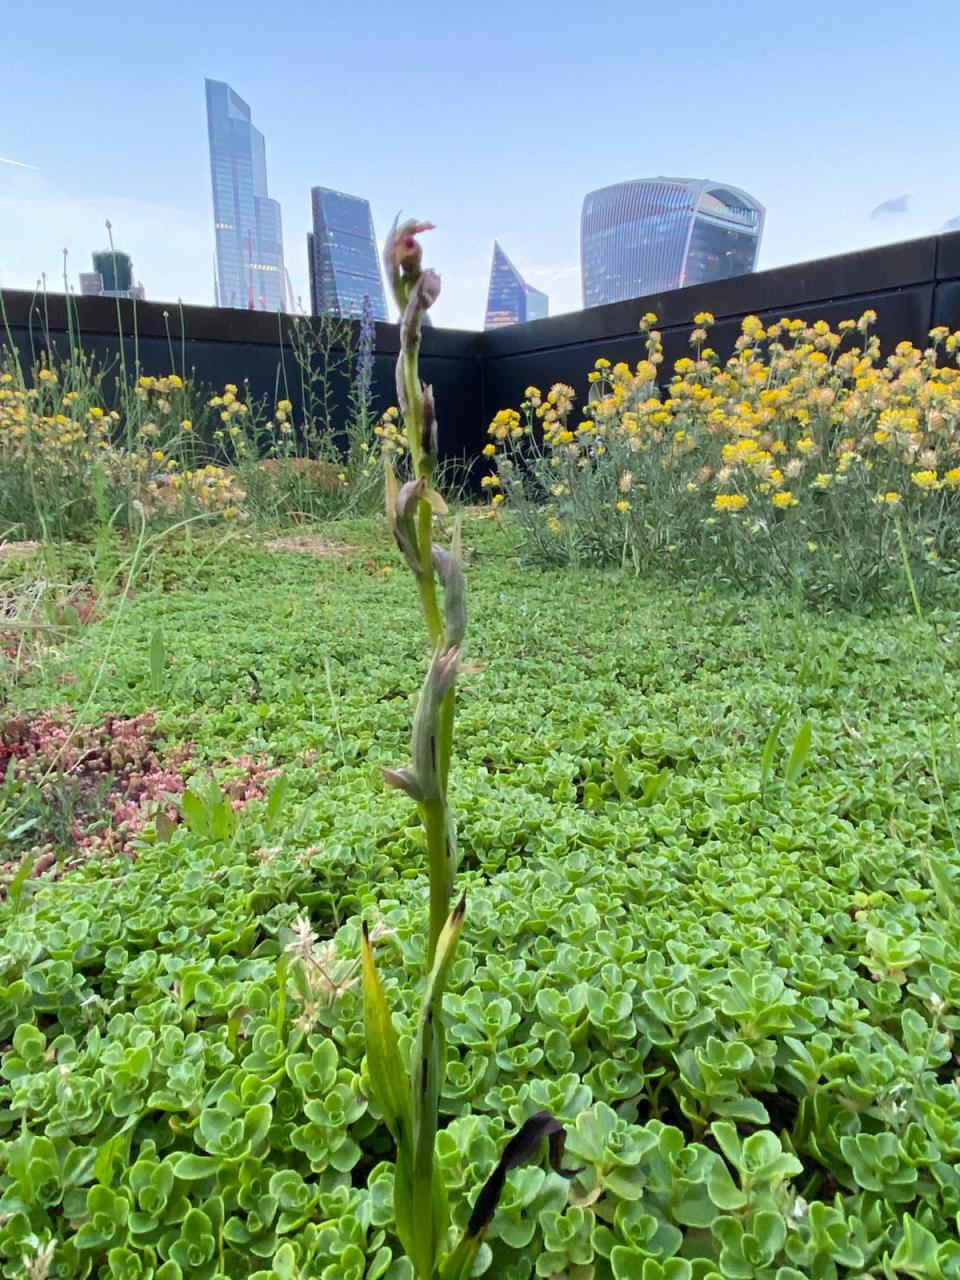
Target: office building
[[247, 225], [645, 237], [343, 256], [510, 300], [111, 277]]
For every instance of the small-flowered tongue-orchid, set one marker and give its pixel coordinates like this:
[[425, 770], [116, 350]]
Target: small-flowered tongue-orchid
[[408, 1095]]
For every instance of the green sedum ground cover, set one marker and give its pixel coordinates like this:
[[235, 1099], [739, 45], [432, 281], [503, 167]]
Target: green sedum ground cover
[[713, 926]]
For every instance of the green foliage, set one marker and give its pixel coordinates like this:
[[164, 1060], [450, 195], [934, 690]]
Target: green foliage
[[741, 1000], [805, 463], [88, 449]]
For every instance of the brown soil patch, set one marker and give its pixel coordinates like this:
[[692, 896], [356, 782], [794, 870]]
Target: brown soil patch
[[17, 548], [307, 544]]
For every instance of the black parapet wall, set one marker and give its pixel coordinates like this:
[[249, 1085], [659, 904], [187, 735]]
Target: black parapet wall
[[911, 286], [946, 303], [899, 282], [217, 346]]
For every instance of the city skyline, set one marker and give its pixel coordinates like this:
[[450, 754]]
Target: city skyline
[[482, 154], [248, 229], [510, 300], [652, 235], [343, 256]]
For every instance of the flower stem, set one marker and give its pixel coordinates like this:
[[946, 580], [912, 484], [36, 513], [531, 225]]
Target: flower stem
[[438, 863]]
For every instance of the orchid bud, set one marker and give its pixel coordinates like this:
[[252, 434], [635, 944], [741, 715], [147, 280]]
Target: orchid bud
[[450, 571], [403, 523], [428, 438], [422, 296], [407, 250], [427, 289], [440, 678], [403, 780], [401, 387], [402, 255]]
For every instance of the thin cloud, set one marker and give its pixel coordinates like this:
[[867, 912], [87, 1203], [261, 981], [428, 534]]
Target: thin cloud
[[899, 204], [18, 164], [952, 224]]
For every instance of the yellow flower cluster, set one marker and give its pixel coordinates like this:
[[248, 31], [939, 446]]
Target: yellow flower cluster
[[801, 413], [209, 488], [730, 502], [389, 431], [57, 438], [506, 425]]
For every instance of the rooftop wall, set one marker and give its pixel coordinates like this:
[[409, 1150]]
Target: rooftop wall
[[912, 287]]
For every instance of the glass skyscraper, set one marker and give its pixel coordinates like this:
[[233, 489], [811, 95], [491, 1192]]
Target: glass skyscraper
[[246, 221], [510, 300], [645, 237], [344, 262]]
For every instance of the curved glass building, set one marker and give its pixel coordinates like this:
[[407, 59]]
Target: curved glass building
[[644, 237]]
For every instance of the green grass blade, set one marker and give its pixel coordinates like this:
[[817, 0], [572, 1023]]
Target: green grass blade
[[769, 752], [799, 753], [388, 1076]]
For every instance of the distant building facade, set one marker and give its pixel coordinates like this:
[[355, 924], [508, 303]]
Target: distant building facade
[[344, 261], [510, 300], [111, 277], [247, 224], [646, 237]]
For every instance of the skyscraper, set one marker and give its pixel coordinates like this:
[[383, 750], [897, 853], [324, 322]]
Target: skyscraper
[[246, 221], [344, 262], [510, 300], [644, 237], [111, 277]]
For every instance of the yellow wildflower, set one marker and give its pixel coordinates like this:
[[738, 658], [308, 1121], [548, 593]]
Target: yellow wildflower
[[730, 501], [784, 499], [925, 480], [623, 505]]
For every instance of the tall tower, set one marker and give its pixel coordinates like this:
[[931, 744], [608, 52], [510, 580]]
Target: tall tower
[[344, 262], [645, 237], [247, 225], [510, 300]]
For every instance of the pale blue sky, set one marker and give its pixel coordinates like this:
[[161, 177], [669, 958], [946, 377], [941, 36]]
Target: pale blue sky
[[491, 119]]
